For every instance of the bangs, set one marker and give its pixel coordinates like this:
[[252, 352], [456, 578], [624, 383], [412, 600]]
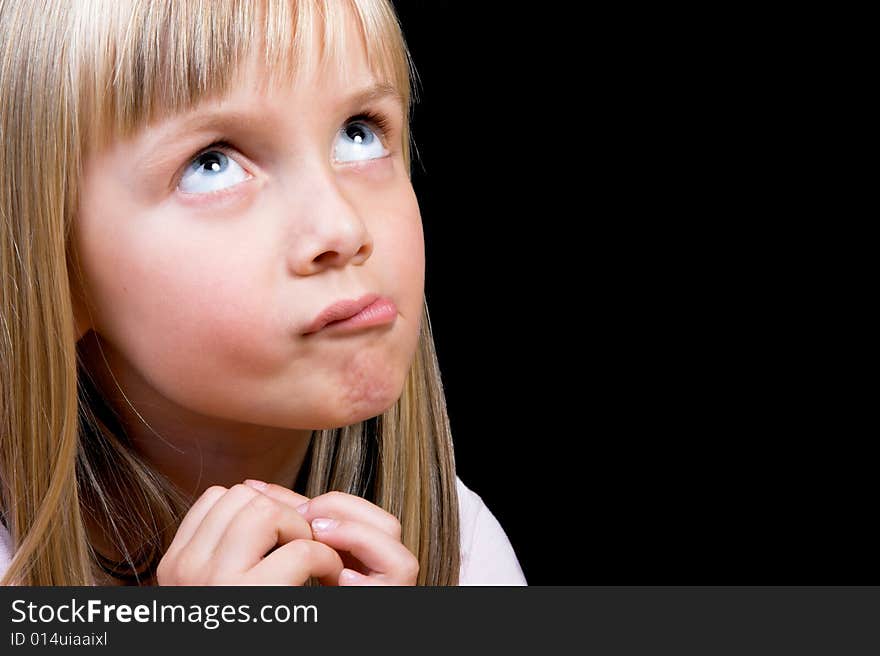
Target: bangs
[[156, 58]]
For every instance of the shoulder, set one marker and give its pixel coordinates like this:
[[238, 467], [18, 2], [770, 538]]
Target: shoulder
[[5, 549], [487, 557]]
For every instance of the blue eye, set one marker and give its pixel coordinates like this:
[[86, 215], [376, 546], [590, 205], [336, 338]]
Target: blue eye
[[357, 142], [210, 171]]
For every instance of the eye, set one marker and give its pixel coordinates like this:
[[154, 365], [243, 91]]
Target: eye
[[357, 141], [210, 171]]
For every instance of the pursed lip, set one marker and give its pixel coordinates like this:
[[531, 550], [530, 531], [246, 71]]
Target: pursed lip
[[340, 310]]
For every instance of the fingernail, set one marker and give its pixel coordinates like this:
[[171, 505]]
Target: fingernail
[[348, 575], [303, 509], [324, 524], [257, 485]]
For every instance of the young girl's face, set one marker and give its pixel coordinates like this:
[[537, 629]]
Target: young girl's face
[[205, 264]]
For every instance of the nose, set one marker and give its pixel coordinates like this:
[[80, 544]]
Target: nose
[[334, 235]]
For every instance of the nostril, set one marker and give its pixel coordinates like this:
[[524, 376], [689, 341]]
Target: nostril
[[326, 256]]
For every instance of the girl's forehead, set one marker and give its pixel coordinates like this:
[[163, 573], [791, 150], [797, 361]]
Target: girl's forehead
[[314, 73], [315, 77], [254, 95]]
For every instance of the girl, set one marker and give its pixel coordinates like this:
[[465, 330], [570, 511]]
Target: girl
[[216, 361]]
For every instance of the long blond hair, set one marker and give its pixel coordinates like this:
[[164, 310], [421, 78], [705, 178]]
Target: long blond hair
[[74, 75]]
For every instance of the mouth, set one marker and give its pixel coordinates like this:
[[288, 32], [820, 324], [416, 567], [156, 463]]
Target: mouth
[[346, 315]]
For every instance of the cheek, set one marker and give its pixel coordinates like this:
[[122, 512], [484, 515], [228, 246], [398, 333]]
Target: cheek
[[214, 325], [401, 252], [186, 320], [212, 320]]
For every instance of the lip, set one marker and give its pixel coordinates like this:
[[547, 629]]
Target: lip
[[368, 310]]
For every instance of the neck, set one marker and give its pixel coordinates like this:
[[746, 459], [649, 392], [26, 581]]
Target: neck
[[193, 450], [196, 461]]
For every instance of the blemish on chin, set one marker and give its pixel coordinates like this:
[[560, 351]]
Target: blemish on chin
[[370, 385]]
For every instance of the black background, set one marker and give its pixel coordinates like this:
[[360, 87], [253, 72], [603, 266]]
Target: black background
[[502, 279], [636, 390]]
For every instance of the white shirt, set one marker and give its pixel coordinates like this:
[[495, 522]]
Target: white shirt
[[487, 557]]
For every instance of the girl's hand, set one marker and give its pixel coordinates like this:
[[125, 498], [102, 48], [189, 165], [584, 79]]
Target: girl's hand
[[367, 537], [226, 536]]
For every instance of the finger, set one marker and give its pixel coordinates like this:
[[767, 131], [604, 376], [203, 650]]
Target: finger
[[349, 577], [384, 555], [194, 517], [205, 538], [294, 562], [258, 526], [353, 508], [278, 492]]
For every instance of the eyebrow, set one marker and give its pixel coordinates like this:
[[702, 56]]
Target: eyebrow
[[221, 119], [375, 92]]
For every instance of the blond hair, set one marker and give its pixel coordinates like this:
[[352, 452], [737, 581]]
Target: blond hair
[[74, 76]]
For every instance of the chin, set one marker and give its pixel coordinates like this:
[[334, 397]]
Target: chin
[[370, 383], [368, 387], [367, 408], [355, 416]]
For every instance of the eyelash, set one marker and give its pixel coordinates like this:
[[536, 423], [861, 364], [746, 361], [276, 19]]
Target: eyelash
[[372, 118], [377, 119]]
